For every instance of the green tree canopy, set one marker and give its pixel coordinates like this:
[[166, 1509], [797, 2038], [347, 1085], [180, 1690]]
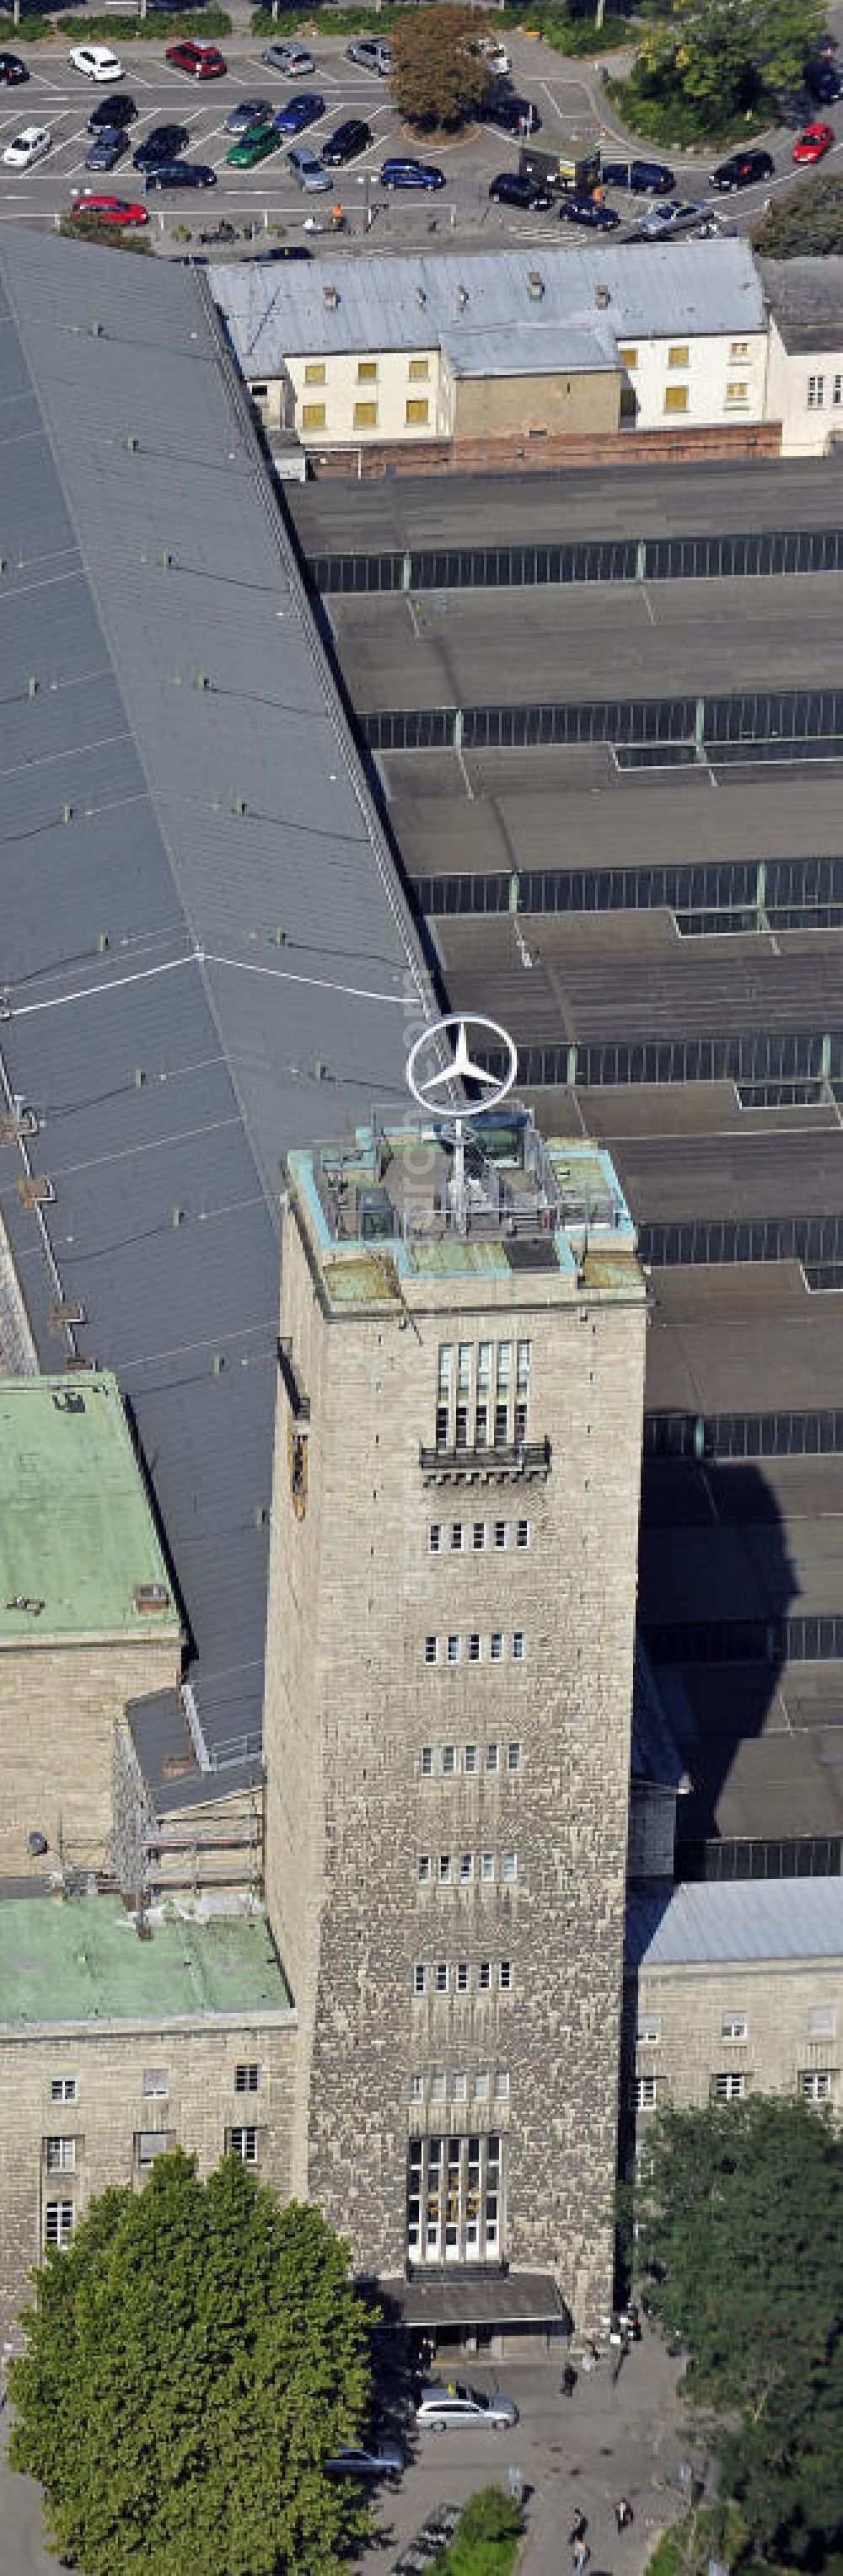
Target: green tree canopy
[[192, 2358], [713, 61], [807, 222], [739, 2213], [437, 77]]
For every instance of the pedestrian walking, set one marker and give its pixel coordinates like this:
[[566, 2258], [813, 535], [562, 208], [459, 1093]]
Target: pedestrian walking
[[569, 2379], [514, 2476], [578, 2529], [624, 2515], [582, 2555]]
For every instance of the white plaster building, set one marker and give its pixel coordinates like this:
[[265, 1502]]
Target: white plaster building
[[552, 341], [805, 367]]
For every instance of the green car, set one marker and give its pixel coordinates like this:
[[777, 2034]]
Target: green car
[[254, 147]]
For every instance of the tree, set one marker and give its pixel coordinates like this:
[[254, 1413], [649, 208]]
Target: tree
[[192, 2358], [808, 221], [438, 77], [719, 60], [739, 2213]]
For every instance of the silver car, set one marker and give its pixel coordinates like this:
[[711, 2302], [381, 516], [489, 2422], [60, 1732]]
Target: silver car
[[372, 53], [444, 2410], [288, 58], [310, 172], [385, 2461]]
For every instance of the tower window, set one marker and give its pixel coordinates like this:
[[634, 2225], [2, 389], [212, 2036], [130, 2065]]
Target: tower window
[[431, 1650], [484, 1976], [434, 1538], [513, 1757], [506, 1976], [58, 2222], [728, 2088], [441, 1978], [444, 1868], [424, 1869], [487, 1866], [522, 1533], [462, 1976], [449, 1760], [456, 1536], [244, 2143], [474, 1649], [478, 1536], [466, 1867], [518, 1646], [509, 1865], [427, 1761], [492, 1749], [497, 1647], [470, 1760], [453, 1650], [247, 2078], [420, 1980], [500, 1533]]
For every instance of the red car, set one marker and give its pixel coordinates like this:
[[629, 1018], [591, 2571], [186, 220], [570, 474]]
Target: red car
[[810, 145], [109, 210], [205, 62]]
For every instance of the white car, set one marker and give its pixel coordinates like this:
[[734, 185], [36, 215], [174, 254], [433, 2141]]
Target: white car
[[28, 146], [445, 2410], [97, 62]]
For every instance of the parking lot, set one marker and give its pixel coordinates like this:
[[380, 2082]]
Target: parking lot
[[609, 2439], [568, 96]]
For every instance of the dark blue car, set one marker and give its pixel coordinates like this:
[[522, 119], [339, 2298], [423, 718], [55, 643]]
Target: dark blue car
[[300, 111], [107, 149], [411, 174]]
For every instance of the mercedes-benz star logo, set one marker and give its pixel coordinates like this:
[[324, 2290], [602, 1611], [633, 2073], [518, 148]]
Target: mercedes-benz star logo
[[429, 1089]]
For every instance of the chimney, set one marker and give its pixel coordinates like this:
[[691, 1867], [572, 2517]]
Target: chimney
[[535, 284], [332, 297], [602, 297]]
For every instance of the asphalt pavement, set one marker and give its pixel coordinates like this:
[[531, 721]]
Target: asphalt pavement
[[569, 94]]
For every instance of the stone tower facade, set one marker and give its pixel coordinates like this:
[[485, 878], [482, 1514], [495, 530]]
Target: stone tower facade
[[449, 1681]]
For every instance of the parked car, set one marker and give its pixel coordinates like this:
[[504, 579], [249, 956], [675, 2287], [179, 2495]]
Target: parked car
[[651, 179], [97, 62], [587, 210], [822, 81], [371, 53], [281, 250], [347, 140], [27, 147], [180, 174], [742, 170], [108, 210], [397, 173], [12, 70], [671, 215], [514, 115], [304, 109], [107, 148], [493, 53], [165, 143], [509, 189], [203, 62], [294, 60], [813, 143], [112, 111], [253, 147], [443, 2410], [248, 112], [308, 170], [385, 2461]]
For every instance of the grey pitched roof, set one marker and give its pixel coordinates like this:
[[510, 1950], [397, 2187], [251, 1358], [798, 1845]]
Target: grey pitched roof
[[654, 289], [805, 297], [761, 1919], [173, 1067]]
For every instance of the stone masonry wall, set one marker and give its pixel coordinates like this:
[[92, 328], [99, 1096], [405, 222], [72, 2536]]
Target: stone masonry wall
[[58, 1709], [196, 2060], [776, 1999], [350, 1705]]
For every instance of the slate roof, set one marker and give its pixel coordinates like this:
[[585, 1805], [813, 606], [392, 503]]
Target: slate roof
[[474, 2298], [758, 1920], [805, 297], [655, 289], [193, 988]]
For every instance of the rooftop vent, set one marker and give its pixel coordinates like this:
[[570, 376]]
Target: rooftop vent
[[332, 297], [421, 297], [24, 1601], [36, 1191], [151, 1596], [535, 284], [462, 298], [602, 297]]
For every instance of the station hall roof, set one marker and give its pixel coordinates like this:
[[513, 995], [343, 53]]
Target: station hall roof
[[651, 291], [205, 951]]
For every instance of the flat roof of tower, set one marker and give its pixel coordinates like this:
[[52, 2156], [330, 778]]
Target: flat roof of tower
[[395, 1206], [79, 1960], [80, 1555]]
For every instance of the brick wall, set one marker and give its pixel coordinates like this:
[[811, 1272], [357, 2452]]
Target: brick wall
[[496, 455]]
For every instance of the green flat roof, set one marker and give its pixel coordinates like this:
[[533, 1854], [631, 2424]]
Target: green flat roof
[[77, 1535], [78, 1959]]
